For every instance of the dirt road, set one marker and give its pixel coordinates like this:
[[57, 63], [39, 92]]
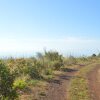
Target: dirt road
[[94, 83], [58, 88]]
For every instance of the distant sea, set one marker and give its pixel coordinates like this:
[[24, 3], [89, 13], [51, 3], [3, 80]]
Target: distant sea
[[34, 53]]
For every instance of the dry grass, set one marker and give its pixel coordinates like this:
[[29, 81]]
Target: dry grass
[[79, 85]]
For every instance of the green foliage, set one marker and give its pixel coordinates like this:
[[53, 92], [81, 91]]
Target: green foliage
[[35, 71], [53, 55], [48, 71], [55, 60], [6, 83], [14, 71], [94, 55], [56, 65], [21, 65], [20, 84]]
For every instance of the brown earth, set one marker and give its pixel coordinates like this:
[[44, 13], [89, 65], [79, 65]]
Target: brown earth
[[94, 83], [58, 88]]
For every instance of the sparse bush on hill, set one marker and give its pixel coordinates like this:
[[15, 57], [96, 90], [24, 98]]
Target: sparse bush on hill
[[93, 55], [53, 55], [6, 83], [17, 74], [56, 65], [70, 61], [48, 71], [35, 71], [55, 60]]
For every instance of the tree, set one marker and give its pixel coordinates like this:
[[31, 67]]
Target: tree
[[94, 55]]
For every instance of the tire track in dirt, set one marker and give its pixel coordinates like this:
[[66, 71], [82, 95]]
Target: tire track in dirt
[[58, 88], [94, 83]]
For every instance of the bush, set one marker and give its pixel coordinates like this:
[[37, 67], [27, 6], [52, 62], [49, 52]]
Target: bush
[[69, 61], [48, 71], [19, 65], [22, 66], [6, 83], [35, 71], [94, 55], [20, 84], [55, 60], [56, 65], [53, 55]]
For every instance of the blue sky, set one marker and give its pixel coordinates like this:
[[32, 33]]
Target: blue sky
[[68, 26]]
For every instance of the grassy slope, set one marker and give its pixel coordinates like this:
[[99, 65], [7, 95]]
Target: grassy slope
[[79, 85]]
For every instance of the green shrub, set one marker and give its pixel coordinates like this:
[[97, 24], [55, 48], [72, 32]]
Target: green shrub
[[48, 71], [53, 55], [55, 61], [35, 71], [69, 61], [6, 83], [93, 55], [20, 83], [56, 65], [20, 65]]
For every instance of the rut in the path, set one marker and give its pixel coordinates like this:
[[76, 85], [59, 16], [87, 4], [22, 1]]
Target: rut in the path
[[94, 83], [58, 88]]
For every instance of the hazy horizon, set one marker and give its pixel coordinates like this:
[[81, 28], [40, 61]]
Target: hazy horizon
[[30, 26]]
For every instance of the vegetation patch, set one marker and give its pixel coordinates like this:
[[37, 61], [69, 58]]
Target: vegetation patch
[[27, 76], [6, 83], [20, 84]]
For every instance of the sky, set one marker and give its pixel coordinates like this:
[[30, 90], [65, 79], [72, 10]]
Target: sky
[[67, 26]]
